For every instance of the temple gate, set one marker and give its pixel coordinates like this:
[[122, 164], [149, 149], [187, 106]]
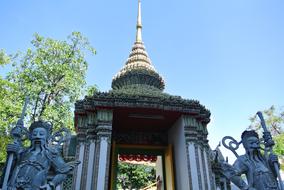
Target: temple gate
[[137, 120]]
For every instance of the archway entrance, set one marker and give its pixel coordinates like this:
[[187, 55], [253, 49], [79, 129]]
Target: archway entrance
[[142, 167]]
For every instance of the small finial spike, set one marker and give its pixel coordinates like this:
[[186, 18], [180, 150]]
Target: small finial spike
[[139, 24]]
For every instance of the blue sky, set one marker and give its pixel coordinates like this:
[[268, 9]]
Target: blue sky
[[228, 54]]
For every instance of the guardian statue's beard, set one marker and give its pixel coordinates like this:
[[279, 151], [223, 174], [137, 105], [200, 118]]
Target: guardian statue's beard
[[40, 142], [255, 154]]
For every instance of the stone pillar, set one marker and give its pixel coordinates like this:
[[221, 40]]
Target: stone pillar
[[190, 128], [103, 146], [201, 167], [90, 151], [86, 124], [197, 144], [159, 170], [201, 143], [208, 172], [80, 151]]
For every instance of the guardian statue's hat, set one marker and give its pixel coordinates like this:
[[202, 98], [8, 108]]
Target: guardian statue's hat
[[42, 124], [250, 133]]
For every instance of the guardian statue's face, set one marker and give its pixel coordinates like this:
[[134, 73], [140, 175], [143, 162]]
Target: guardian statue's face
[[39, 136], [251, 143]]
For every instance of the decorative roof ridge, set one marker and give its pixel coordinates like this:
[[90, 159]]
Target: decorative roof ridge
[[142, 99]]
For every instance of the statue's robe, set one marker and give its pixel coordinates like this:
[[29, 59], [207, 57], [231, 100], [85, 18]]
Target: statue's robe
[[258, 172], [30, 170]]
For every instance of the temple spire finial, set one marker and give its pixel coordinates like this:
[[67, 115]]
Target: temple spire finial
[[139, 24]]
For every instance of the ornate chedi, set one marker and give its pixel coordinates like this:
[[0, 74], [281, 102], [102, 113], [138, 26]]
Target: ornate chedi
[[138, 71]]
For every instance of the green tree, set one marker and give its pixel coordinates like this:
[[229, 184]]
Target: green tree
[[91, 90], [134, 176], [52, 74]]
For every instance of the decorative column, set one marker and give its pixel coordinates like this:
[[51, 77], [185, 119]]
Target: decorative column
[[210, 179], [198, 153], [90, 150], [80, 151], [190, 130], [103, 146]]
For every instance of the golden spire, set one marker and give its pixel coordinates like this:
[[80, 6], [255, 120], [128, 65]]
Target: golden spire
[[138, 69], [139, 24]]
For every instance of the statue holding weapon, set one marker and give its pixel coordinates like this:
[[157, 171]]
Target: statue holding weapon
[[269, 143], [19, 134], [261, 170], [40, 166]]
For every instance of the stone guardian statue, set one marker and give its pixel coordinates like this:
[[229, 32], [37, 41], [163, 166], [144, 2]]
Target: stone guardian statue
[[39, 166], [261, 170]]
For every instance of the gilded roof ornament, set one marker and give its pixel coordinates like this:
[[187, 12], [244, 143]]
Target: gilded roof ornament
[[138, 69]]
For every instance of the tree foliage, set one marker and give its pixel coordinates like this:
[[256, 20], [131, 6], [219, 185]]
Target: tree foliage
[[4, 58], [10, 105], [91, 90], [134, 176], [51, 73]]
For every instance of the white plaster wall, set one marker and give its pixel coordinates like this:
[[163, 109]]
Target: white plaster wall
[[177, 139]]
